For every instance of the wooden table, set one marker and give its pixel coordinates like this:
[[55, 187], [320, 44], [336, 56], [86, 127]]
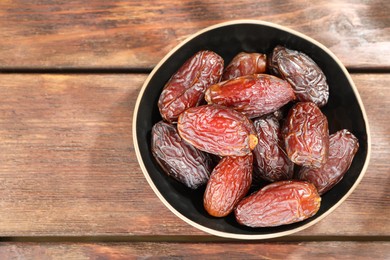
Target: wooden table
[[70, 184]]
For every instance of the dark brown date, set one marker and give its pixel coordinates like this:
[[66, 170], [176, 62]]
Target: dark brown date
[[271, 161], [279, 203], [186, 87], [245, 64], [304, 75], [229, 183], [343, 146], [218, 130], [253, 95], [306, 135], [179, 159]]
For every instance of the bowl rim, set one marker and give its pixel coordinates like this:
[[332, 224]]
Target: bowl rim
[[247, 236]]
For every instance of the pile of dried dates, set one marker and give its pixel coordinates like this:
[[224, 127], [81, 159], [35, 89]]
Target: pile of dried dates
[[253, 134]]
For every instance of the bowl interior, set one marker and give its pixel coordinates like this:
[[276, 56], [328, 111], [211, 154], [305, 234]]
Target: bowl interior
[[343, 111]]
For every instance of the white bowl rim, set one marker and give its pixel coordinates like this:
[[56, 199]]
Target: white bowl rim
[[249, 236]]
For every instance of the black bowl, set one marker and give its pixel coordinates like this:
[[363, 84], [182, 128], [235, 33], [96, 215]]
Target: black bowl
[[344, 110]]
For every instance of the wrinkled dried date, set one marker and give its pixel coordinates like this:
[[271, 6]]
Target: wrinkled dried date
[[306, 135], [245, 64], [304, 75], [186, 87], [271, 161], [253, 95], [279, 203], [343, 146], [229, 183], [179, 159], [218, 130]]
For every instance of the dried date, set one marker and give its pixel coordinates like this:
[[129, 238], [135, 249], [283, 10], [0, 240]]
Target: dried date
[[343, 146], [229, 183], [278, 203], [271, 161], [218, 130], [179, 159], [306, 135], [245, 64], [186, 87], [304, 75], [253, 95]]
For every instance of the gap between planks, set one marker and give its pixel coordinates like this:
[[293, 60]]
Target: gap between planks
[[112, 70], [188, 239]]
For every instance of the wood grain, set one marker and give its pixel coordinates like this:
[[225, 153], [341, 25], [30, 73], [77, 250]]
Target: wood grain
[[68, 166], [307, 250], [133, 34]]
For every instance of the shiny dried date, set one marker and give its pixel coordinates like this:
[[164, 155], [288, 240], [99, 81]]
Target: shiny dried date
[[229, 183], [343, 146], [271, 162], [279, 203], [186, 87], [245, 64], [218, 130], [306, 135], [253, 95], [179, 159], [304, 75]]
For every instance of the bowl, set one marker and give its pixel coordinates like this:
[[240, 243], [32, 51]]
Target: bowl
[[344, 110]]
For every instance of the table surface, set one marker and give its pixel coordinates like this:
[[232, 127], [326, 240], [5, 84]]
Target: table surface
[[70, 183]]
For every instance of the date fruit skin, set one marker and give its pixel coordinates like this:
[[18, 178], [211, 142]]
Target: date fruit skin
[[304, 75], [253, 95], [343, 146], [306, 135], [179, 159], [279, 203], [271, 161], [218, 130], [186, 87], [229, 182], [245, 63]]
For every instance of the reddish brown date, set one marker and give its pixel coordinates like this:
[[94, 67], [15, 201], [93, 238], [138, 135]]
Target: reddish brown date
[[245, 64], [306, 135], [271, 161], [186, 87], [218, 130], [229, 183], [279, 203], [253, 95], [343, 146], [179, 159], [304, 75]]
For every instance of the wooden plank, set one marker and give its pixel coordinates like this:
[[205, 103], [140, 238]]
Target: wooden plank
[[306, 250], [134, 34], [68, 166]]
